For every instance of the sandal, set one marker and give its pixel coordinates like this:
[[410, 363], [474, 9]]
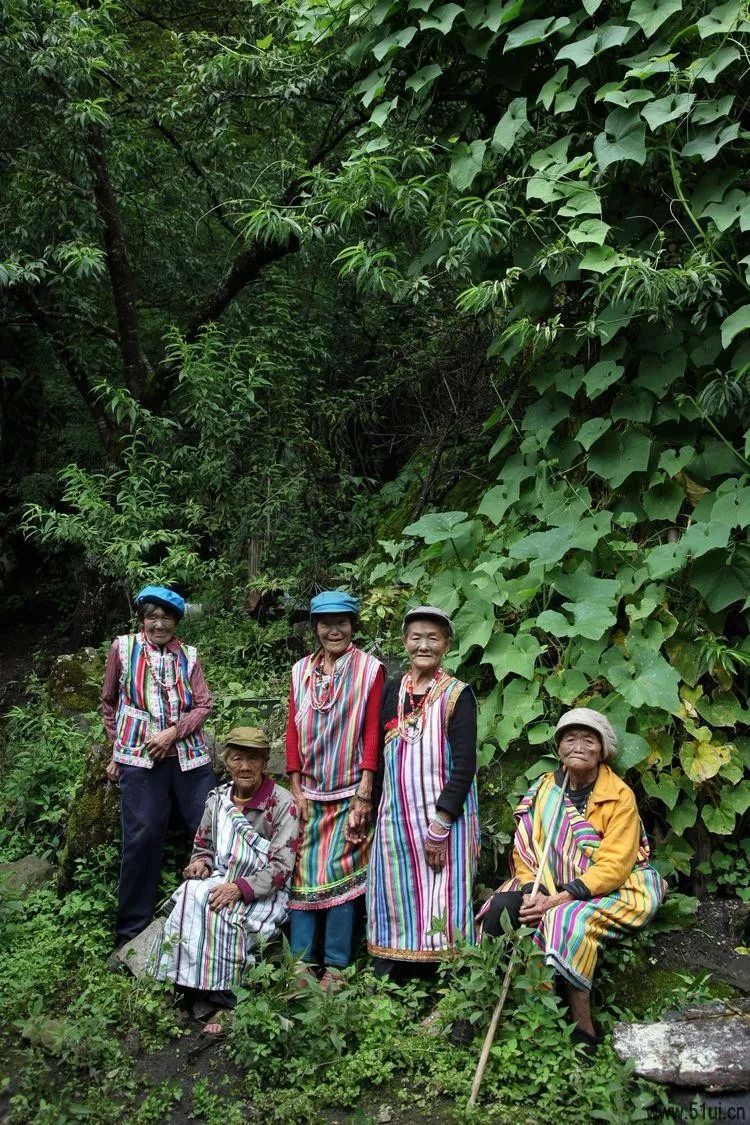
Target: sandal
[[215, 1029], [332, 981]]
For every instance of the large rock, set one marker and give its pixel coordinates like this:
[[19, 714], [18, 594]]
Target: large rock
[[94, 814], [706, 1047], [75, 682], [25, 875]]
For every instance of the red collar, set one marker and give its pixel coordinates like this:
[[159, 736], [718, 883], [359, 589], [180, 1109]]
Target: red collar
[[260, 796]]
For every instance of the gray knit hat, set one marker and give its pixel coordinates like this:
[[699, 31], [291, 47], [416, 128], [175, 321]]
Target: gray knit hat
[[431, 613], [594, 720]]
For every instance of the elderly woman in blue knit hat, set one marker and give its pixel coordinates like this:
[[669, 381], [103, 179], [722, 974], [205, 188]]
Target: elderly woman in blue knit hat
[[332, 750], [155, 701]]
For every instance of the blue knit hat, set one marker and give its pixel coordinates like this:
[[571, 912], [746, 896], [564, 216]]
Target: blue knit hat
[[167, 599], [333, 601]]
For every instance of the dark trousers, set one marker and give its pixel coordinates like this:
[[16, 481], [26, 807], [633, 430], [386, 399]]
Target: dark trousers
[[504, 900], [147, 797]]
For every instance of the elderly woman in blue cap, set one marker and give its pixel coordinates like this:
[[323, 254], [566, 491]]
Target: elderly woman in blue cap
[[155, 701], [332, 748]]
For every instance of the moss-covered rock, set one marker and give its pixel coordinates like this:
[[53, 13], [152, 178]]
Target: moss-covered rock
[[94, 814], [500, 785], [74, 684]]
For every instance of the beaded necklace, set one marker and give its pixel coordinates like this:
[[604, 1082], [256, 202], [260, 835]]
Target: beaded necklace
[[410, 726], [165, 684], [325, 690]]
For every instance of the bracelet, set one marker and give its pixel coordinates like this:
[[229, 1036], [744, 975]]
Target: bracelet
[[442, 823], [435, 838], [364, 800]]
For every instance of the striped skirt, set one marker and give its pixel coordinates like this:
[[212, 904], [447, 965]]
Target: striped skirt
[[329, 870]]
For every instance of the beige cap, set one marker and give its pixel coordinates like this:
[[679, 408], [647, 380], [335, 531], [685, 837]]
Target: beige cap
[[594, 720]]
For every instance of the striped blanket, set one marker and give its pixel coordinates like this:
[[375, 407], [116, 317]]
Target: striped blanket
[[208, 949], [413, 912], [570, 935]]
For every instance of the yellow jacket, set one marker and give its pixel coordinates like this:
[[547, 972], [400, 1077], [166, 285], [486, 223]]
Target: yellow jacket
[[612, 811]]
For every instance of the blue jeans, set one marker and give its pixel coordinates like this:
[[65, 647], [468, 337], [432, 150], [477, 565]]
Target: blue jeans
[[337, 927], [146, 800]]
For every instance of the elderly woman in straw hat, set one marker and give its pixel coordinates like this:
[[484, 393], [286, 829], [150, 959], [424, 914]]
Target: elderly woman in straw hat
[[597, 883], [236, 885], [419, 894]]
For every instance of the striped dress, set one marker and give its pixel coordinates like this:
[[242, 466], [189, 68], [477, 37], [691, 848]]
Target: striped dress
[[570, 935], [208, 949], [413, 912], [329, 716]]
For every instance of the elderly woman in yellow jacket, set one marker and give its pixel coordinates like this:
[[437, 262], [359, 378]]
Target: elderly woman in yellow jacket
[[597, 883]]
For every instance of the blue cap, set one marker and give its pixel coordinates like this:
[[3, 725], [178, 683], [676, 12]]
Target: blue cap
[[333, 601], [163, 597]]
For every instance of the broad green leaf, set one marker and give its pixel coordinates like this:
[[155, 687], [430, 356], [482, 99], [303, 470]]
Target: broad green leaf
[[381, 113], [566, 686], [590, 620], [373, 86], [633, 405], [512, 125], [579, 52], [734, 207], [658, 372], [492, 14], [663, 501], [721, 579], [706, 112], [720, 20], [737, 797], [466, 164], [512, 654], [733, 508], [394, 42], [737, 322], [438, 526], [683, 815], [709, 68], [633, 750], [534, 31], [618, 455], [646, 65], [599, 259], [666, 560], [580, 201], [474, 624], [590, 230], [724, 710], [567, 100], [581, 585], [613, 92], [685, 655], [496, 502], [521, 704], [700, 538], [552, 86], [651, 14], [540, 733], [423, 78], [552, 546], [663, 787], [602, 376], [543, 416], [667, 109], [624, 138], [446, 590], [592, 430], [718, 819], [708, 142], [442, 19], [643, 677]]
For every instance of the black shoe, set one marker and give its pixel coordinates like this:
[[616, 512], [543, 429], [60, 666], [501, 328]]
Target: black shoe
[[590, 1043]]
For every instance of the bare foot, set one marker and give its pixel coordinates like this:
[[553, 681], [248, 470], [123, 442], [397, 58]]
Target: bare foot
[[215, 1025]]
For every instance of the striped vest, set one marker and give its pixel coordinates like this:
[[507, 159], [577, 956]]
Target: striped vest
[[330, 729], [147, 706]]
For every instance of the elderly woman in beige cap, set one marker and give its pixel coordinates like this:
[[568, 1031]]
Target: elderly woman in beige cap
[[597, 883], [236, 885]]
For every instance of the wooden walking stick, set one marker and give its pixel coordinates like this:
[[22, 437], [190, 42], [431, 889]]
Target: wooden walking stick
[[490, 1036]]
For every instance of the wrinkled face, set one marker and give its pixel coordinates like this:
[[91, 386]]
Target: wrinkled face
[[245, 766], [159, 624], [580, 749], [426, 644], [334, 631]]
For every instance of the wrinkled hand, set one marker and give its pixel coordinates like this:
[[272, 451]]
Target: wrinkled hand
[[225, 895], [159, 745], [436, 854], [198, 869], [533, 909], [112, 770], [358, 822], [301, 802]]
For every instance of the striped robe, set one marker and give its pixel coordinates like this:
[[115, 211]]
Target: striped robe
[[206, 949], [413, 912], [329, 870], [570, 935]]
